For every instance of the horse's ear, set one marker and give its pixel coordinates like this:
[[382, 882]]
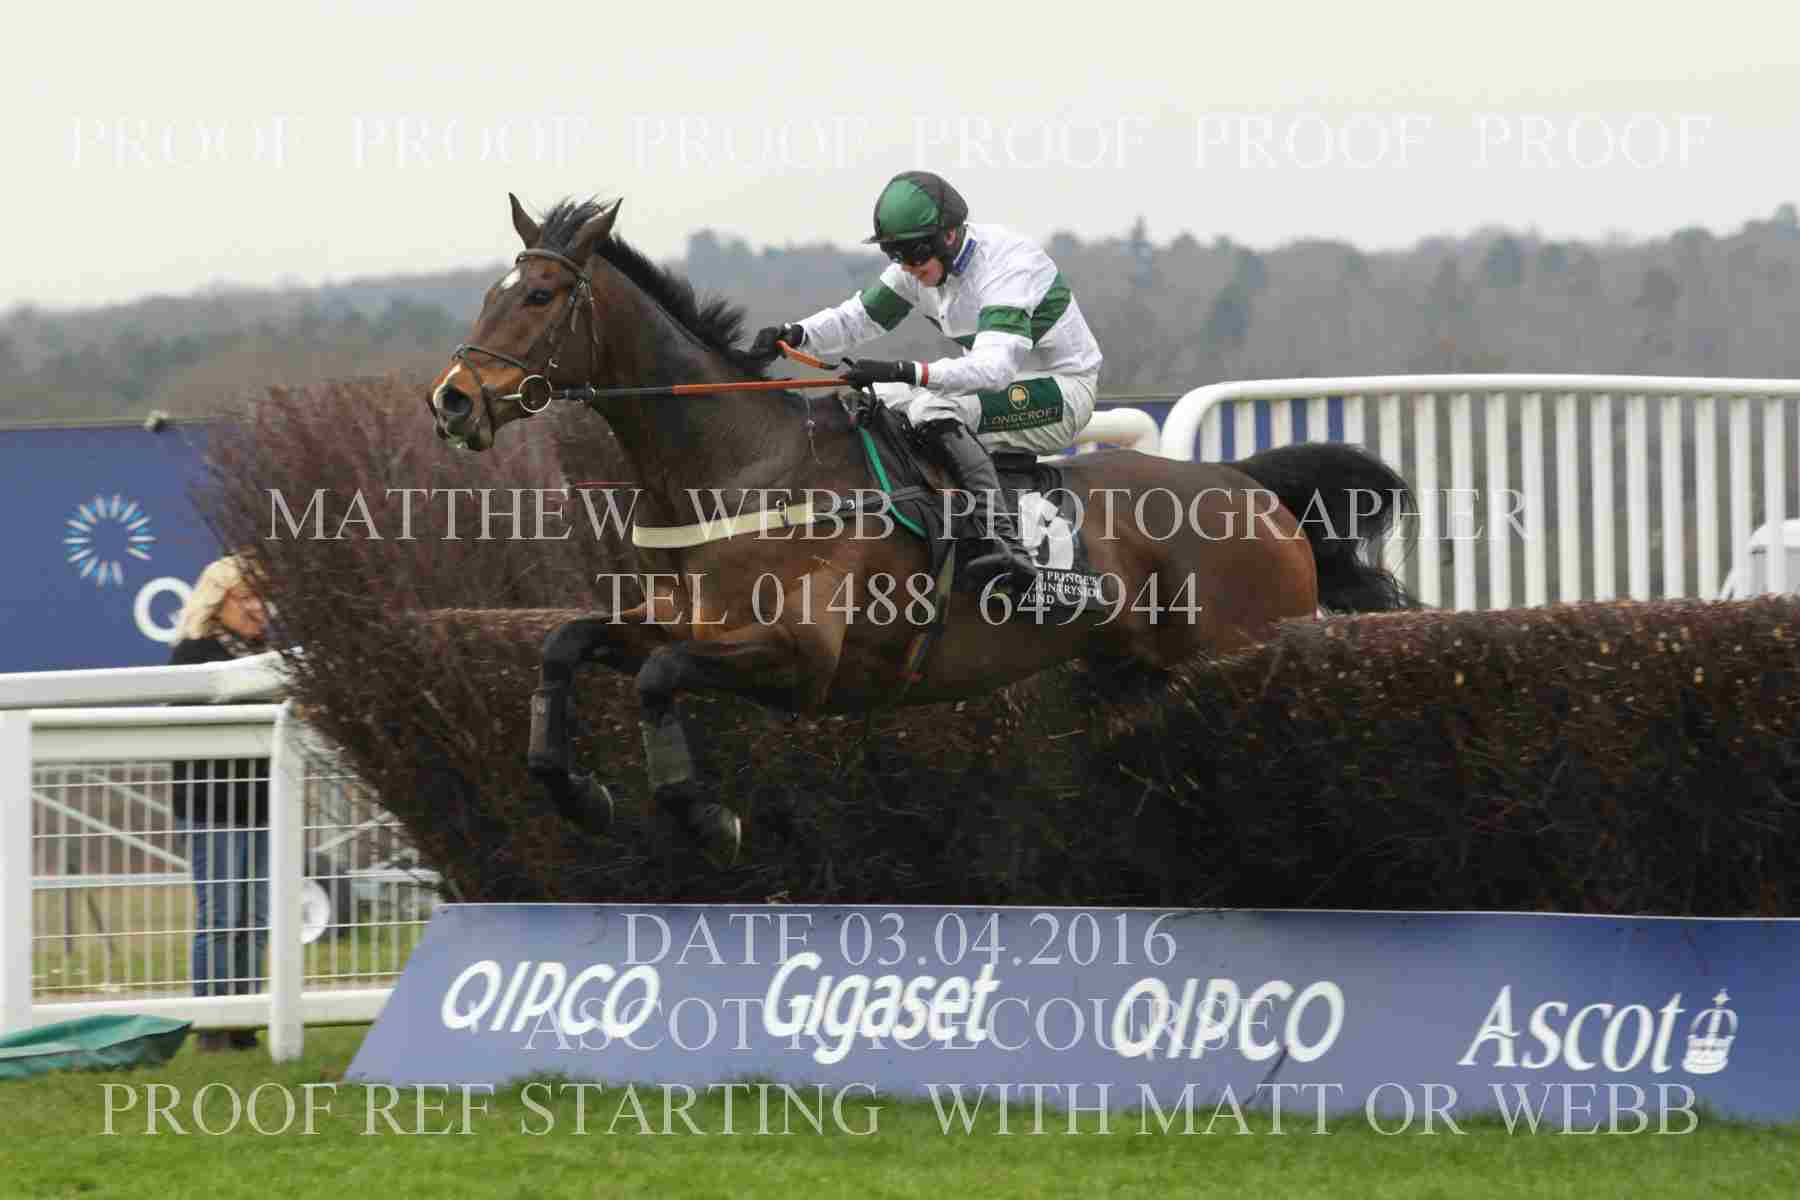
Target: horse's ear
[[528, 228], [593, 230]]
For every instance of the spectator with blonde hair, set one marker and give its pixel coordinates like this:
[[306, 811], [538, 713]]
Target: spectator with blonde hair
[[224, 605], [223, 805]]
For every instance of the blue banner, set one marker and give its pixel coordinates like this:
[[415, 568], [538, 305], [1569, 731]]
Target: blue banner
[[103, 544], [1565, 1020]]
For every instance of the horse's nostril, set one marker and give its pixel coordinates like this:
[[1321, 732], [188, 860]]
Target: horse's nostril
[[453, 403]]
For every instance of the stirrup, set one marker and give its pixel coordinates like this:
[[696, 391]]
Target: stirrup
[[1004, 558], [1004, 572]]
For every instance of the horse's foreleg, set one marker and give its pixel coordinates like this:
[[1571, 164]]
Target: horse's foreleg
[[622, 641]]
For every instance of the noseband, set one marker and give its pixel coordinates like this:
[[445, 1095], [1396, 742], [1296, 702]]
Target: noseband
[[580, 296]]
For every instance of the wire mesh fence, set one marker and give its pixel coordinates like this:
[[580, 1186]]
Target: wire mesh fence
[[150, 878]]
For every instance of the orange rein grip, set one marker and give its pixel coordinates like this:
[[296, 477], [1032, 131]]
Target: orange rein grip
[[800, 356], [754, 385]]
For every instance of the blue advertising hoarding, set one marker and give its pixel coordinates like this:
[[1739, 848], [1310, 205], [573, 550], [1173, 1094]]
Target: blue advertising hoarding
[[1576, 1019], [103, 544]]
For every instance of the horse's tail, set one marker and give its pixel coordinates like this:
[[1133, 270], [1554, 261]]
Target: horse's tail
[[1346, 500]]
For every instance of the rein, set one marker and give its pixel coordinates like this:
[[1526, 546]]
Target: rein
[[536, 392], [537, 387]]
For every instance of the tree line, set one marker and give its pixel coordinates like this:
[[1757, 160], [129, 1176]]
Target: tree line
[[1169, 316]]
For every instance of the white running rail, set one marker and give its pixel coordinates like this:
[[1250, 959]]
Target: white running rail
[[1132, 428], [1547, 474], [96, 903]]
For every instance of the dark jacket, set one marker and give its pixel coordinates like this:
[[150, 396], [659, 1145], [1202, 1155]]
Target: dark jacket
[[220, 791]]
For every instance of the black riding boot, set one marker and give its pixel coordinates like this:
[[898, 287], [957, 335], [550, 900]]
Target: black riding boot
[[973, 471]]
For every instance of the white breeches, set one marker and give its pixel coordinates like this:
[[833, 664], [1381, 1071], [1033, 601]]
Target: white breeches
[[1025, 422]]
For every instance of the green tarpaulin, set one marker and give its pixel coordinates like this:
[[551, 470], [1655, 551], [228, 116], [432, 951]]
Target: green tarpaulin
[[91, 1043]]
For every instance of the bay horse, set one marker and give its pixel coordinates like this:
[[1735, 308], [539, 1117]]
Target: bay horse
[[1225, 552]]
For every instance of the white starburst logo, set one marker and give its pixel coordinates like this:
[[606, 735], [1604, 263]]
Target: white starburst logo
[[102, 532]]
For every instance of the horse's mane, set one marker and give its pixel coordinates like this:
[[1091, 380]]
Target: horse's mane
[[716, 321]]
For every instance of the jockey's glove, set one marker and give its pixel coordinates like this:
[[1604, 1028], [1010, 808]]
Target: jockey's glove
[[870, 371], [764, 350]]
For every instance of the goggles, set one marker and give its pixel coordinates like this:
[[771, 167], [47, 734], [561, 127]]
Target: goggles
[[913, 252]]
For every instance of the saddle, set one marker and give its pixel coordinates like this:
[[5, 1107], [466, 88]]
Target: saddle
[[1048, 515]]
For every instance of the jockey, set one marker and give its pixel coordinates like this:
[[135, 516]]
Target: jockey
[[1029, 376]]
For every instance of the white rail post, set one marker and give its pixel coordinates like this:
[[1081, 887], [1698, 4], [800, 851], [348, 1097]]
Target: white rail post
[[1606, 568], [1531, 471], [15, 871], [1672, 485], [1637, 496], [1569, 502], [1501, 511], [1739, 480], [287, 854], [1706, 495], [1462, 483], [1775, 493]]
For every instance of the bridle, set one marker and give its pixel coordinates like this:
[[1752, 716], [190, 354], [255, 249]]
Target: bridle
[[536, 392], [580, 295]]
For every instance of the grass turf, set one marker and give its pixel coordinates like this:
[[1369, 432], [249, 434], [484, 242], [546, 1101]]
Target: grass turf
[[53, 1144], [103, 942]]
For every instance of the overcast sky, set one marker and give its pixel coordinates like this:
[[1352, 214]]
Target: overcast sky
[[173, 148]]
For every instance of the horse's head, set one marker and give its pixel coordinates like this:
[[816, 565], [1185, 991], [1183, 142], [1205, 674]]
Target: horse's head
[[538, 331]]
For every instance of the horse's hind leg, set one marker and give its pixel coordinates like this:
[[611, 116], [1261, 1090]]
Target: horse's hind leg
[[766, 664]]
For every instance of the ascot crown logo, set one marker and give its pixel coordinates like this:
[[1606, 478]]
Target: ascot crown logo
[[1707, 1052]]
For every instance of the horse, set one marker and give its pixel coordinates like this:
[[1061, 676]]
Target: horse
[[583, 315]]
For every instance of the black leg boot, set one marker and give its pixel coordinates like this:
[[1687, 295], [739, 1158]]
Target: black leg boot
[[973, 472]]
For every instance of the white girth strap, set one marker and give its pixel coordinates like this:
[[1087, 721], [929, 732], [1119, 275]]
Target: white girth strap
[[678, 537]]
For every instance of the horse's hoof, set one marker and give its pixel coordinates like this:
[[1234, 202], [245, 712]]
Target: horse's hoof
[[717, 830], [591, 806], [579, 799]]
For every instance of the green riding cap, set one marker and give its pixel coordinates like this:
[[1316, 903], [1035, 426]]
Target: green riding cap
[[916, 204]]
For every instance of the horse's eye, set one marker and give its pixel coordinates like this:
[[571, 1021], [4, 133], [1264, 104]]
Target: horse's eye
[[537, 296]]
